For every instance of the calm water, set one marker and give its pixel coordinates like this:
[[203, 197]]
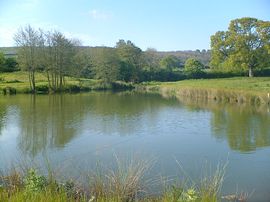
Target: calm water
[[76, 131]]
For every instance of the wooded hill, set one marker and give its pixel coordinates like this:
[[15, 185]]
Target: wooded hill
[[202, 55]]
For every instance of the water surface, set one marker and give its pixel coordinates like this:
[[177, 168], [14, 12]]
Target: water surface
[[75, 131]]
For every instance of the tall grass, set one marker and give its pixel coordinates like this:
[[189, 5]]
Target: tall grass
[[124, 182], [234, 90]]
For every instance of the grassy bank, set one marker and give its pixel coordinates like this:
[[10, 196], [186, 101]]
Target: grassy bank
[[125, 182], [234, 90], [17, 82]]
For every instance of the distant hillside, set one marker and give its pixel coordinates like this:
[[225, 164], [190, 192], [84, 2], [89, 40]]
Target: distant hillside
[[203, 56]]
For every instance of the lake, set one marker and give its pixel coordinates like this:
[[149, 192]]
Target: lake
[[75, 131]]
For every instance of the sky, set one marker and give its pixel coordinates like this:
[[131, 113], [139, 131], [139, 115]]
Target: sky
[[166, 25]]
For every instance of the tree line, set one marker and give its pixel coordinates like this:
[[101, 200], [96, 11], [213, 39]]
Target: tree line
[[241, 50], [58, 57]]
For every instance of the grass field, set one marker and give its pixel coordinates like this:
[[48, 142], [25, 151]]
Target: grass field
[[258, 85], [238, 89], [19, 81]]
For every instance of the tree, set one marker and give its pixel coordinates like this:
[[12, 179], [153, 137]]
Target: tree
[[151, 59], [106, 65], [193, 67], [245, 46], [2, 60], [10, 65], [28, 40], [170, 62], [83, 61], [58, 58], [130, 57]]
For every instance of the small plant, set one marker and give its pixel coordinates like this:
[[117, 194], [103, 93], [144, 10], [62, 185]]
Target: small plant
[[190, 195], [34, 182]]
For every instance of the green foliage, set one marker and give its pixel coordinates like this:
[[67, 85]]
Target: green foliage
[[245, 46], [2, 59], [8, 64], [42, 88], [130, 57], [9, 90], [193, 68], [34, 182], [170, 62], [106, 65]]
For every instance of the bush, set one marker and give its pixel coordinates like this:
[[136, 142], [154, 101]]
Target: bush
[[72, 88], [122, 86], [42, 89], [9, 91], [34, 182]]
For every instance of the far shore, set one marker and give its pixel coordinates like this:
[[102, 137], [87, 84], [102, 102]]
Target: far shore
[[254, 90]]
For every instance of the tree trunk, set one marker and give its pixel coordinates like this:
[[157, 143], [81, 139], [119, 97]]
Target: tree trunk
[[250, 72]]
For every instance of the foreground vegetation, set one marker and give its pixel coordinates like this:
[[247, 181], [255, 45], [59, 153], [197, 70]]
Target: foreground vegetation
[[235, 90], [125, 182]]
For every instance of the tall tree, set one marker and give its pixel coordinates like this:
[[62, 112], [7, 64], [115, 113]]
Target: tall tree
[[59, 54], [245, 46], [28, 40], [131, 60], [106, 65]]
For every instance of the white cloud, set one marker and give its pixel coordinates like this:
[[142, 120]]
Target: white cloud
[[99, 15]]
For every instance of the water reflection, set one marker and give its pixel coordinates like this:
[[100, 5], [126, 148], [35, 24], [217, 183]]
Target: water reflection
[[244, 127], [54, 121]]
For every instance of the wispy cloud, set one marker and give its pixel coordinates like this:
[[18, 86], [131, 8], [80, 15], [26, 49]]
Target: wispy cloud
[[99, 15]]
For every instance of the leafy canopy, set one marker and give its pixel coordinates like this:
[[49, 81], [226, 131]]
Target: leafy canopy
[[244, 46]]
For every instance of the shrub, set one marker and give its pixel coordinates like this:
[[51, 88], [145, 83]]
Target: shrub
[[34, 182], [42, 89], [9, 91]]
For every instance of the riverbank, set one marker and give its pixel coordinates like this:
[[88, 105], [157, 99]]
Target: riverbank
[[17, 83], [233, 90], [125, 182]]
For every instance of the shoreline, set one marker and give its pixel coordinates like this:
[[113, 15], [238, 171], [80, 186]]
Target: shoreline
[[198, 90]]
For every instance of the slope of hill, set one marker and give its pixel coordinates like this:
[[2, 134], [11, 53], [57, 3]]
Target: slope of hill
[[203, 56]]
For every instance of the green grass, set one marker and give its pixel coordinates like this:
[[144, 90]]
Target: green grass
[[124, 183], [19, 82], [239, 89], [258, 85]]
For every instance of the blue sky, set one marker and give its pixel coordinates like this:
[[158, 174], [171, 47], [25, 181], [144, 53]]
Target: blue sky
[[161, 24]]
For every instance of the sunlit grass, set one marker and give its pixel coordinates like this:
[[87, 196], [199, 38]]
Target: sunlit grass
[[19, 81], [234, 90], [255, 84], [124, 182]]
